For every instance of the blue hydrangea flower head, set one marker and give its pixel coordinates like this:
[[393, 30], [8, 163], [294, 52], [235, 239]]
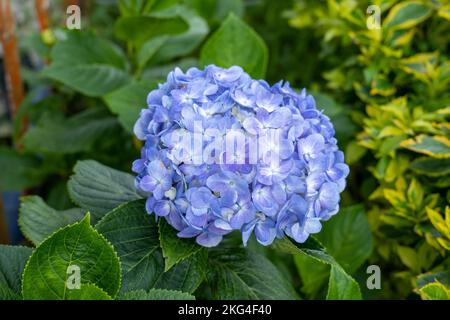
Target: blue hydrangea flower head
[[225, 152]]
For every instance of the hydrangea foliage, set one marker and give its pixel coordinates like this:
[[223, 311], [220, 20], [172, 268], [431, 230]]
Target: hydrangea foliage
[[225, 152]]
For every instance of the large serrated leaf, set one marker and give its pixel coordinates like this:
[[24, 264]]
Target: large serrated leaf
[[341, 286], [156, 294], [87, 291], [186, 275], [12, 263], [99, 189], [37, 220], [80, 246], [347, 237], [339, 281], [134, 235], [237, 273]]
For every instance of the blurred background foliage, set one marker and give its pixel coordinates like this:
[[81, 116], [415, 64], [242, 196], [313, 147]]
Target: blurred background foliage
[[385, 89]]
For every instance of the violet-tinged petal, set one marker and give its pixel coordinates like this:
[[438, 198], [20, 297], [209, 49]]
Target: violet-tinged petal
[[209, 240]]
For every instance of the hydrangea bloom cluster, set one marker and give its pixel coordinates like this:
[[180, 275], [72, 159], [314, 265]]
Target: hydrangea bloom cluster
[[288, 188]]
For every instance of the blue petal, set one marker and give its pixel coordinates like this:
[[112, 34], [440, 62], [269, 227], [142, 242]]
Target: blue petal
[[209, 240], [162, 208], [265, 233]]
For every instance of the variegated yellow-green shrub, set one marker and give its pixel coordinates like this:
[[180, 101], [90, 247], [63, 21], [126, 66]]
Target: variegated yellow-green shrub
[[398, 68]]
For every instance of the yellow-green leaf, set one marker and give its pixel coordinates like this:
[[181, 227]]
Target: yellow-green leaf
[[409, 257], [444, 12], [434, 291], [437, 220], [434, 146], [415, 193], [420, 65], [381, 86], [432, 167], [400, 38], [395, 198], [407, 14]]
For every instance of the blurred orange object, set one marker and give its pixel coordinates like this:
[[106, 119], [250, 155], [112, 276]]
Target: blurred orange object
[[11, 56], [42, 14]]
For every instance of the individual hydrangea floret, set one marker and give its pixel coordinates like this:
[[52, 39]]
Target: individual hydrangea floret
[[225, 152]]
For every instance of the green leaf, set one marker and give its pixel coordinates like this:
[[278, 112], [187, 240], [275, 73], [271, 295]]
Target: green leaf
[[327, 103], [314, 275], [134, 7], [87, 291], [415, 194], [382, 86], [137, 7], [237, 273], [12, 263], [88, 64], [99, 188], [314, 249], [432, 167], [407, 14], [156, 294], [341, 286], [51, 133], [139, 29], [442, 277], [224, 7], [149, 49], [217, 10], [128, 101], [348, 238], [169, 47], [420, 65], [186, 275], [433, 146], [37, 220], [203, 7], [175, 249], [444, 12], [409, 257], [159, 72], [19, 171], [434, 291], [354, 152], [46, 275], [134, 235], [235, 43]]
